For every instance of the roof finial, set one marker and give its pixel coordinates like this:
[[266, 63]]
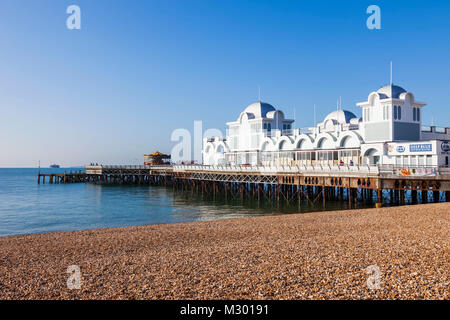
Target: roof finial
[[391, 74]]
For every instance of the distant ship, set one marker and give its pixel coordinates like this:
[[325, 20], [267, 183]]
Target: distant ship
[[54, 166]]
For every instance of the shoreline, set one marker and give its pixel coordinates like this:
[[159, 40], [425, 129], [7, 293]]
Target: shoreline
[[205, 220], [315, 255]]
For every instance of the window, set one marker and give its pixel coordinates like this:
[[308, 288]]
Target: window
[[429, 160], [413, 160], [421, 160], [395, 112], [398, 160], [384, 112], [417, 114], [265, 126], [269, 127], [405, 160], [321, 156], [399, 111], [414, 114], [335, 155]]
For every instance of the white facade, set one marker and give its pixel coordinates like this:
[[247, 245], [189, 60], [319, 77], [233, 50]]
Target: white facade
[[389, 132]]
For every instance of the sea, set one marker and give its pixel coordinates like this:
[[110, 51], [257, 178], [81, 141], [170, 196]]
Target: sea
[[28, 207]]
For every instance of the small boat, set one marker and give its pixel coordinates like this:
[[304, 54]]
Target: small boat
[[54, 166]]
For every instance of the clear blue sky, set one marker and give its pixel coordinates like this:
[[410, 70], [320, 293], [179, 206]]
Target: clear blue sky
[[137, 70]]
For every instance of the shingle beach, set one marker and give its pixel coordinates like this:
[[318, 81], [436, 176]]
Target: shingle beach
[[323, 255]]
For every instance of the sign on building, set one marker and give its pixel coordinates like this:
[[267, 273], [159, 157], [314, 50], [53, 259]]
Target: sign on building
[[425, 147]]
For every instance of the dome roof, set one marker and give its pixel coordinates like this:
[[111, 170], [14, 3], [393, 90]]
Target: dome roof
[[341, 116], [391, 91], [259, 109]]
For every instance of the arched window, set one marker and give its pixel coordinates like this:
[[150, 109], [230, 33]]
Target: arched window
[[418, 114], [414, 114], [395, 112], [399, 111]]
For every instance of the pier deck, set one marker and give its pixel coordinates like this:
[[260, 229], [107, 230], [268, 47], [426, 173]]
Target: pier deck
[[283, 182], [66, 177]]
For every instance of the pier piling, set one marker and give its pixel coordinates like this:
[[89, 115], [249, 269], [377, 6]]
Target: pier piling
[[290, 187]]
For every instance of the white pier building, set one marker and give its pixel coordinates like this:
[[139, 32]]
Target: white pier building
[[390, 132]]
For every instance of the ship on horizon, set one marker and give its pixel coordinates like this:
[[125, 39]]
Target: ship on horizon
[[54, 166]]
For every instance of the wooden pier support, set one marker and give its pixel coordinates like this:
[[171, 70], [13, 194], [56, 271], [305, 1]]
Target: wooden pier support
[[414, 196], [323, 197], [290, 187], [349, 196], [436, 196], [424, 195], [379, 203]]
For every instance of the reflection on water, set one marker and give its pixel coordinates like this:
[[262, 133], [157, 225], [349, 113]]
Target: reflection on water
[[26, 207]]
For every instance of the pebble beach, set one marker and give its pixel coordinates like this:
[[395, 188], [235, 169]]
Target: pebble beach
[[387, 253]]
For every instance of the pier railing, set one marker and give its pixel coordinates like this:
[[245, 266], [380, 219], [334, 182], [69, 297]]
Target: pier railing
[[358, 169], [384, 170], [127, 166], [280, 169]]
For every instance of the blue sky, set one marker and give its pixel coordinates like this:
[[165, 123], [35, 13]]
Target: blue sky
[[137, 70]]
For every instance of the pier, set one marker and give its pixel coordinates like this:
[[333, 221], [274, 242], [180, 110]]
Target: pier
[[314, 184], [385, 156], [65, 177]]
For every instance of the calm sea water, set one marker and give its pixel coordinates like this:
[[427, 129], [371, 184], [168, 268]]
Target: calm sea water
[[26, 207]]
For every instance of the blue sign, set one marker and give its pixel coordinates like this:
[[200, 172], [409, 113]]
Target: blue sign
[[400, 149], [420, 147], [445, 146]]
